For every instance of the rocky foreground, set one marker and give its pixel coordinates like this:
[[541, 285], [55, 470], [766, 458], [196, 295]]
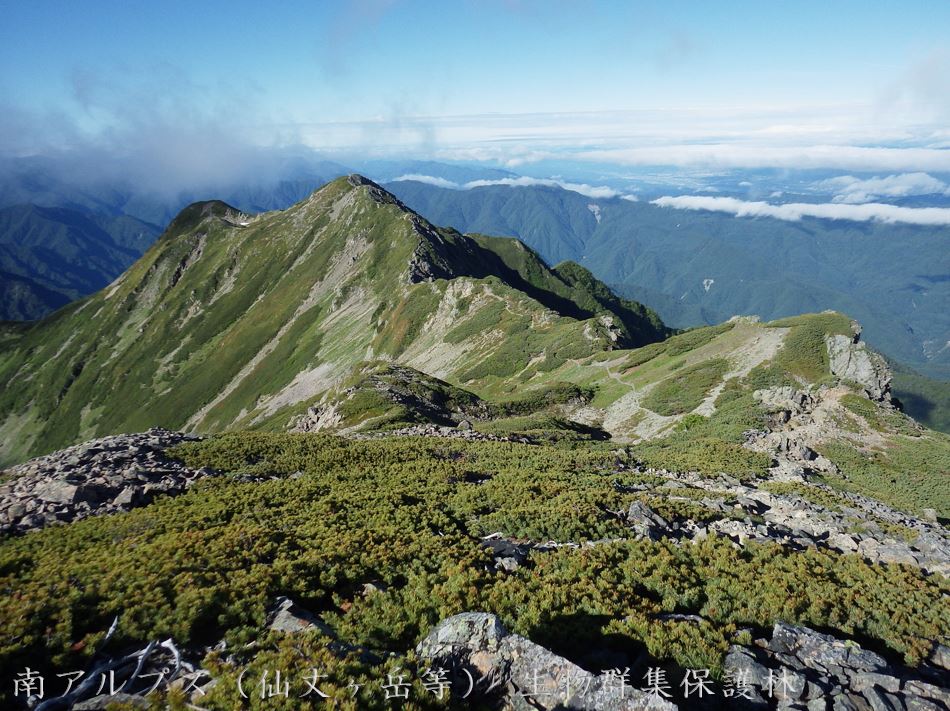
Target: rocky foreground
[[98, 477], [795, 668], [480, 663], [122, 472]]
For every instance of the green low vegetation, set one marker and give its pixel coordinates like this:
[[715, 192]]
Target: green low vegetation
[[879, 418], [804, 354], [910, 473], [687, 388], [407, 514]]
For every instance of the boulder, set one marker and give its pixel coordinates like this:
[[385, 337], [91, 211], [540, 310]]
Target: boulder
[[646, 522], [822, 651], [940, 656], [529, 676], [849, 359], [288, 616]]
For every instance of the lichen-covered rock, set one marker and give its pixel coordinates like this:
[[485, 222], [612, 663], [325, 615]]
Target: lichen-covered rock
[[822, 651], [801, 668], [646, 522]]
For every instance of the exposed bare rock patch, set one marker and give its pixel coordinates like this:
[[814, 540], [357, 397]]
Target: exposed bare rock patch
[[98, 477]]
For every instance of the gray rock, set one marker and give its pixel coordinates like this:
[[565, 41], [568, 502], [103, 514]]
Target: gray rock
[[849, 359], [940, 656], [458, 638], [741, 660], [646, 522], [913, 703], [531, 676], [287, 616], [846, 703], [917, 688], [127, 496], [100, 703], [822, 651], [59, 492], [882, 701], [867, 680]]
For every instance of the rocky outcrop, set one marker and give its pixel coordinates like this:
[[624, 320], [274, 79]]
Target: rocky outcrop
[[848, 523], [98, 477], [520, 674], [849, 359], [318, 418], [427, 398], [646, 522], [287, 616], [799, 668]]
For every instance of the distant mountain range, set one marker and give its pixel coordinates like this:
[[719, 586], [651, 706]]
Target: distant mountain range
[[52, 256]]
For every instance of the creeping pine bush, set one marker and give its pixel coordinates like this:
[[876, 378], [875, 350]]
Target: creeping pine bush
[[408, 516]]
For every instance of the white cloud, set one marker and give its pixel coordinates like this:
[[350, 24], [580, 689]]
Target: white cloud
[[430, 179], [731, 155], [849, 189], [591, 191], [795, 211], [598, 192]]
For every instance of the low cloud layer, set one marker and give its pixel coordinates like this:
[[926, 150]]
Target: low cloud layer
[[591, 191], [428, 180], [849, 189], [796, 211], [731, 155], [154, 130]]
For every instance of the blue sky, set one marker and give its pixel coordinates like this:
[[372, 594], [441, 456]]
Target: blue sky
[[606, 81]]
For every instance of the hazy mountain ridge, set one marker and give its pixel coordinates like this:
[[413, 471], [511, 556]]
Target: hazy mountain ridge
[[57, 255]]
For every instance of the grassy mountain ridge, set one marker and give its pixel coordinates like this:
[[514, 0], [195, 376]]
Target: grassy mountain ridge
[[229, 319], [231, 322]]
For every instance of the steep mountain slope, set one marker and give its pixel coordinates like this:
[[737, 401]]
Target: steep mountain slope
[[50, 256], [231, 320], [704, 267]]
